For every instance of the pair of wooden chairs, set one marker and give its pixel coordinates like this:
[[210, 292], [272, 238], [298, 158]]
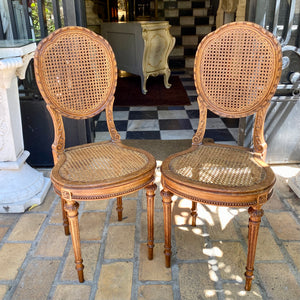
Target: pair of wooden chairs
[[237, 69]]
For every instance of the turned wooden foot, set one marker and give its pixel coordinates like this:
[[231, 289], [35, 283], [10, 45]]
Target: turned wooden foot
[[65, 217], [150, 193], [119, 208], [166, 198], [194, 213], [71, 208], [254, 222]]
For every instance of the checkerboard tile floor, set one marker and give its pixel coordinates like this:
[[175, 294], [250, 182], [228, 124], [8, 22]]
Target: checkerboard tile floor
[[168, 122]]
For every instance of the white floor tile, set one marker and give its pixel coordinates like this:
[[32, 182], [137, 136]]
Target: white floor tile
[[172, 114], [176, 134], [143, 108], [143, 125]]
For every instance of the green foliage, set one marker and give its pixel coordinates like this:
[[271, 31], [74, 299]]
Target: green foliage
[[48, 16]]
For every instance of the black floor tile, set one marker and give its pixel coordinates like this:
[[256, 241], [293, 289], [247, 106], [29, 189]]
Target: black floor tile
[[193, 114], [121, 108], [143, 135], [121, 125], [219, 135], [175, 124], [231, 123], [143, 115], [170, 108]]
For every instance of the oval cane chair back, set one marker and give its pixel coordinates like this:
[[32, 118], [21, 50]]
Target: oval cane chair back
[[236, 71], [76, 73], [81, 80]]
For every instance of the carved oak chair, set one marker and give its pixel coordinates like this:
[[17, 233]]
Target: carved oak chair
[[236, 72], [76, 73]]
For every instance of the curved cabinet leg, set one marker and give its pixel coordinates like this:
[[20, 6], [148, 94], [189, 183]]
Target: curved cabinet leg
[[166, 198], [166, 79], [71, 208], [144, 78], [150, 193], [65, 217], [119, 208], [254, 222], [194, 213]]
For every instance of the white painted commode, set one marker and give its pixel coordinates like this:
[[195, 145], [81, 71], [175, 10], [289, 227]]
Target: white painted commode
[[141, 48]]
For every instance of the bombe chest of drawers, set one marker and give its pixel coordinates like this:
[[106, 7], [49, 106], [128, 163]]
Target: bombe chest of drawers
[[141, 48]]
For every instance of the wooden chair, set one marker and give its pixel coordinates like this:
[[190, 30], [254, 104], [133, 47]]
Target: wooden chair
[[236, 72], [76, 73]]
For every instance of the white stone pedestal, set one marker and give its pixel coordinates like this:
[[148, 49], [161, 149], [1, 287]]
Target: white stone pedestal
[[294, 183], [20, 185]]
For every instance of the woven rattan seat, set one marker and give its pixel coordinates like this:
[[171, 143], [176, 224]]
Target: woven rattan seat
[[219, 167], [76, 73], [237, 69], [100, 162]]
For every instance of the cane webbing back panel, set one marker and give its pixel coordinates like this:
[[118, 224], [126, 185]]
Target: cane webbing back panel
[[237, 69], [99, 162], [76, 71], [219, 166]]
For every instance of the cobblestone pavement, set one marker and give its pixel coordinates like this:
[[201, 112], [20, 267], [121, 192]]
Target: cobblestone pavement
[[208, 260]]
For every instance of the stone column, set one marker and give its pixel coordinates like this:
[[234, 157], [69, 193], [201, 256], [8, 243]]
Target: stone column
[[20, 185]]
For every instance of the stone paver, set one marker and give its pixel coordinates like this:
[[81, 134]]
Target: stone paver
[[153, 269], [46, 246], [190, 243], [294, 251], [208, 261], [3, 290], [115, 281], [279, 281], [37, 280], [289, 232], [12, 257], [150, 292], [128, 214], [120, 242], [91, 225], [96, 205], [266, 248], [80, 292], [195, 282], [27, 227], [89, 254], [234, 291]]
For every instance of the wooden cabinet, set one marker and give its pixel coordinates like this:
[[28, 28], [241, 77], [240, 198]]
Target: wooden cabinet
[[141, 48]]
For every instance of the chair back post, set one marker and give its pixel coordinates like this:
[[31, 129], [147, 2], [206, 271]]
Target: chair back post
[[199, 135], [58, 145], [259, 144], [76, 73]]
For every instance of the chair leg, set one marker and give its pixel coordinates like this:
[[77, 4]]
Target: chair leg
[[166, 198], [150, 193], [65, 217], [119, 208], [194, 213], [254, 222], [71, 208]]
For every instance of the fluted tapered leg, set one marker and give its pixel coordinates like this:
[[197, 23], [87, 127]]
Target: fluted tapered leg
[[65, 217], [254, 222], [150, 193], [194, 213], [119, 208], [166, 198], [71, 208]]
